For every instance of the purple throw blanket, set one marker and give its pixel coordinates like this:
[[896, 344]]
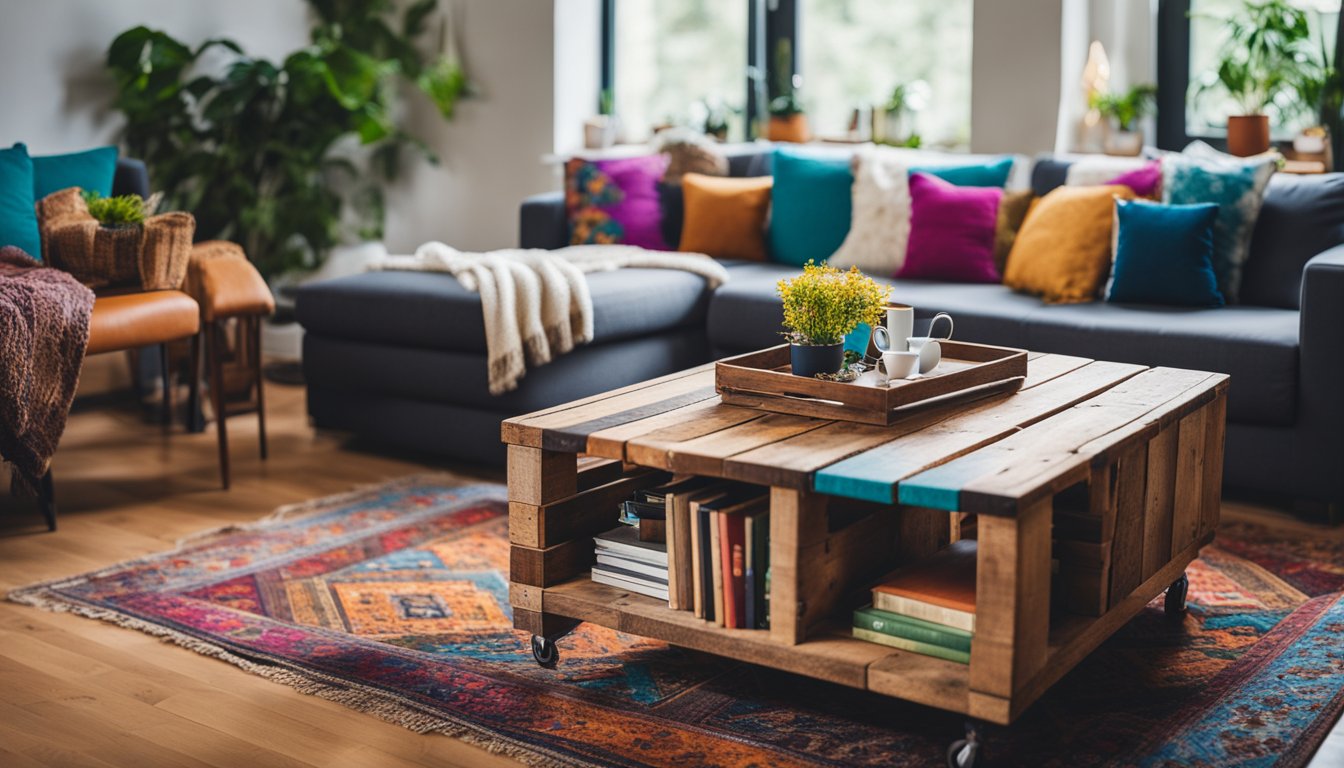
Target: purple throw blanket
[[44, 328]]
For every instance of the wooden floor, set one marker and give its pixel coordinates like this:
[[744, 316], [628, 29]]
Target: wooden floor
[[76, 692]]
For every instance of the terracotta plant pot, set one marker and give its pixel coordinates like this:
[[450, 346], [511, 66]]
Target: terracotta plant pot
[[792, 128], [1247, 134], [810, 359]]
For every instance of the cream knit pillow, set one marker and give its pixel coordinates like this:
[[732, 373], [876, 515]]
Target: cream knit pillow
[[880, 225]]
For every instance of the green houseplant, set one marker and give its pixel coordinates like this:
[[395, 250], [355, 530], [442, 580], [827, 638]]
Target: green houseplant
[[270, 154], [1264, 51], [788, 118], [1123, 110], [821, 305]]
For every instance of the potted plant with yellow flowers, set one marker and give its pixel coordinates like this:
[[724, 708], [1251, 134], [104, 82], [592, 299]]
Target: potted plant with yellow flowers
[[821, 305]]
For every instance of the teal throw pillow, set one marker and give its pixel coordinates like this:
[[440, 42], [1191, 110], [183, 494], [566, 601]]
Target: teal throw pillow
[[810, 205], [1164, 255], [90, 170], [1238, 190], [18, 218], [990, 174]]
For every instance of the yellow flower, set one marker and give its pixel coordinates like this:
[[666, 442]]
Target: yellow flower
[[823, 304]]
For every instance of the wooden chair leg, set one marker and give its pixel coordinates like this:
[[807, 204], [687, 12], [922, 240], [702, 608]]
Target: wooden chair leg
[[255, 324], [167, 388], [216, 364], [195, 419], [46, 499]]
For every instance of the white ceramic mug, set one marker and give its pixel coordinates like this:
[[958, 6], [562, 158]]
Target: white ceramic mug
[[900, 326], [930, 351], [897, 364]]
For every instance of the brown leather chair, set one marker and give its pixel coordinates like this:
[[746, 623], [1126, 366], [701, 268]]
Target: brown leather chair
[[127, 321]]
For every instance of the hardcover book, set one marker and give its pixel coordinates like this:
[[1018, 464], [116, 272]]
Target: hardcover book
[[896, 625], [624, 542], [939, 588], [914, 646]]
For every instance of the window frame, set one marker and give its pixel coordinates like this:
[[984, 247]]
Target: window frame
[[1173, 77]]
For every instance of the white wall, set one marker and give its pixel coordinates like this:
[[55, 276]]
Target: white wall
[[1015, 75], [56, 97]]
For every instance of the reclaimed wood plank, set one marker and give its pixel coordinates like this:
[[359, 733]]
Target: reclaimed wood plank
[[1185, 513], [581, 515], [1056, 452], [921, 679], [875, 474], [546, 567], [1215, 432], [797, 518], [538, 477], [520, 430], [611, 442], [1159, 499], [705, 455], [655, 448], [1127, 548], [1012, 601]]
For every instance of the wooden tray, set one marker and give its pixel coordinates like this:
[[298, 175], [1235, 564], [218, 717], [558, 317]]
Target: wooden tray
[[763, 380]]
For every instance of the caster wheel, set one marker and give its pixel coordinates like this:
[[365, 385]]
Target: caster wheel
[[1175, 600], [545, 651], [965, 753]]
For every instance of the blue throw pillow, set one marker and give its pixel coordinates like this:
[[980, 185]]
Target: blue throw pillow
[[990, 174], [1164, 255], [811, 205], [1238, 189], [18, 218], [90, 170]]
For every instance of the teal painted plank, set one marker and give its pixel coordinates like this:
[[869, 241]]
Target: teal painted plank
[[931, 496], [845, 479], [940, 487]]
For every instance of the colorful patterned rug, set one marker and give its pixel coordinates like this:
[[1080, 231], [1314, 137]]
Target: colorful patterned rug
[[394, 600]]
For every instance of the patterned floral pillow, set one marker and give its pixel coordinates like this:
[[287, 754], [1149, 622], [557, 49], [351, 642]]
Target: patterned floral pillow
[[1238, 188], [615, 201]]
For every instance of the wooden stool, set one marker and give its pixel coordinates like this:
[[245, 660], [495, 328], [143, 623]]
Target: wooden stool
[[229, 288]]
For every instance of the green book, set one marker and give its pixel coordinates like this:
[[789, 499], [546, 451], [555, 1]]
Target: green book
[[914, 646], [919, 630]]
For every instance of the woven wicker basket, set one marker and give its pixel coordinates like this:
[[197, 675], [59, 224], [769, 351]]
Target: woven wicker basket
[[153, 255]]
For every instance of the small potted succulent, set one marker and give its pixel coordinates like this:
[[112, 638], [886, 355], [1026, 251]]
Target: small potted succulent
[[821, 305]]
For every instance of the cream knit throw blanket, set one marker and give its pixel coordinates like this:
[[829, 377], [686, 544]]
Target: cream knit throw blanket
[[536, 302]]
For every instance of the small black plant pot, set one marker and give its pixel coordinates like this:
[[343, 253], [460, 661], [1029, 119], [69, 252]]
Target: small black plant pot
[[810, 359]]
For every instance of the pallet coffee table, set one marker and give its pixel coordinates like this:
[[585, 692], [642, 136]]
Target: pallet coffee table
[[1132, 454]]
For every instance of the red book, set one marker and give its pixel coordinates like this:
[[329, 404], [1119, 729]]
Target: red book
[[733, 550]]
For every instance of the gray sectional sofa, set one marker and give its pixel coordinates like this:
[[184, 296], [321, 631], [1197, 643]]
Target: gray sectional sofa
[[400, 356]]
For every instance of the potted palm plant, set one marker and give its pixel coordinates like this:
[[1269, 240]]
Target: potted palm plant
[[788, 119], [1265, 42], [821, 305], [1123, 111]]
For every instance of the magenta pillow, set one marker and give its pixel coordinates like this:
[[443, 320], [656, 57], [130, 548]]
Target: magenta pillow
[[951, 232], [615, 201], [1144, 181]]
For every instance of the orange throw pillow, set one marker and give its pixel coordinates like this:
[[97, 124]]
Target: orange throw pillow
[[725, 217], [1063, 251]]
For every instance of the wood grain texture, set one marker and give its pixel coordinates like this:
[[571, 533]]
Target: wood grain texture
[[579, 516], [1160, 498], [79, 692], [1131, 495], [538, 476]]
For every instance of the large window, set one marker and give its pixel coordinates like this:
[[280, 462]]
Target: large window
[[1207, 108], [676, 60], [855, 53]]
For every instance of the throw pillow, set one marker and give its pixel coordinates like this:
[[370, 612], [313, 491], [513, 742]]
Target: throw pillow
[[1164, 255], [1013, 210], [951, 231], [1097, 170], [1063, 252], [880, 226], [725, 217], [1145, 181], [1238, 190], [18, 218], [92, 170], [615, 201], [812, 206]]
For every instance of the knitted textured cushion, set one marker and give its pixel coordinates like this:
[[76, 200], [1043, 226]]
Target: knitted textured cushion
[[1063, 252], [725, 217]]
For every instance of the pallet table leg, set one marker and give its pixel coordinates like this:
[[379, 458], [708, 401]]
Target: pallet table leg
[[797, 518], [1012, 623], [539, 476]]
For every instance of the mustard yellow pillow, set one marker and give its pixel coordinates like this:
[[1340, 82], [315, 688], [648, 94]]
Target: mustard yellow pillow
[[1013, 208], [1063, 251], [725, 217]]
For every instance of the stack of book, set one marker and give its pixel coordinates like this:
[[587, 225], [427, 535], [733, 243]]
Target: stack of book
[[712, 556], [626, 562], [927, 608]]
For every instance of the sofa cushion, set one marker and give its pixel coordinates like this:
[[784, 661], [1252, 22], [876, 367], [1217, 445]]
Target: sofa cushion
[[811, 205], [725, 217], [91, 170], [1063, 252], [18, 219], [1301, 217], [430, 310], [1256, 346]]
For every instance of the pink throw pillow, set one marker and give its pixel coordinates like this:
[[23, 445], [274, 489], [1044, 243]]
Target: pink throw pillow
[[1144, 181], [951, 232]]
